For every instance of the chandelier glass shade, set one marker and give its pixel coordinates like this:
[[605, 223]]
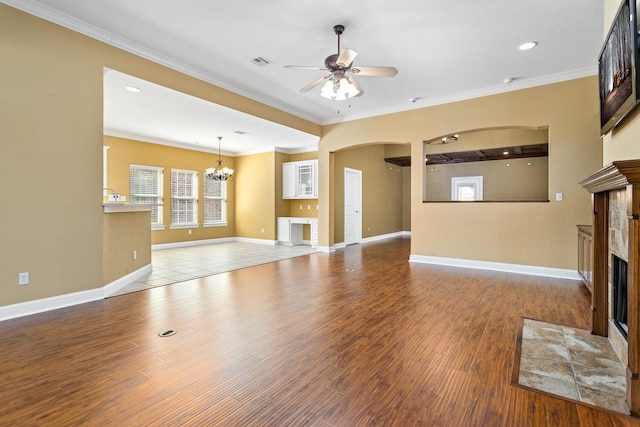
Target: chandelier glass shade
[[339, 89], [219, 173]]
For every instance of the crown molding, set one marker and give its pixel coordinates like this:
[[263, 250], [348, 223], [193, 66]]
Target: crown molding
[[89, 30]]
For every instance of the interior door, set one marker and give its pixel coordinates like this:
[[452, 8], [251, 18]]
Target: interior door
[[352, 206]]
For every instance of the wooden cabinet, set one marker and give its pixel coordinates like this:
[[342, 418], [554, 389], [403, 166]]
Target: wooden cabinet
[[300, 180], [585, 255]]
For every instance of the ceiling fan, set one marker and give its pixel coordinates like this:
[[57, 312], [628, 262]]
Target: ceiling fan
[[340, 84]]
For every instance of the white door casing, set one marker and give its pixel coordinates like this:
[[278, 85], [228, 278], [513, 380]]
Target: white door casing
[[352, 206]]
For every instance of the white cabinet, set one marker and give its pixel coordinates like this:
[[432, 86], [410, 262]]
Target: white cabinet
[[300, 180], [284, 230], [290, 230]]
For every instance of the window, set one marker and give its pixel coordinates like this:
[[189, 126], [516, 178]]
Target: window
[[145, 187], [184, 198], [215, 202], [466, 188]]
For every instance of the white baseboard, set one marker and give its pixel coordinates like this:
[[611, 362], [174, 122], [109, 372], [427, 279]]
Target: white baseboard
[[116, 285], [498, 266], [52, 303], [386, 236], [67, 300], [188, 243], [341, 245], [256, 241]]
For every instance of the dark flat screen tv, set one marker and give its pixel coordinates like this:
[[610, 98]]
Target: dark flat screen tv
[[617, 68]]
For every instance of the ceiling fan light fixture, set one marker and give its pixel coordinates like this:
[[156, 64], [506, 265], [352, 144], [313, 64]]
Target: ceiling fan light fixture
[[340, 90], [339, 84]]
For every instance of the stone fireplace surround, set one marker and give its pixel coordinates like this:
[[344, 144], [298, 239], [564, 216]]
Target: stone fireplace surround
[[615, 193]]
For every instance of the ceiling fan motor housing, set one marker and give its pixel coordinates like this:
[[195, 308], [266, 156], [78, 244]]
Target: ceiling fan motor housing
[[330, 62]]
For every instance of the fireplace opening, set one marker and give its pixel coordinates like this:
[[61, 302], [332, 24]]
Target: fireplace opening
[[620, 295]]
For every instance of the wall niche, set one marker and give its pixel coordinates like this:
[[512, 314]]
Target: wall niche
[[513, 164]]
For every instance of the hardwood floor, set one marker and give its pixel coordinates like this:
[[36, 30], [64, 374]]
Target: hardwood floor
[[356, 337]]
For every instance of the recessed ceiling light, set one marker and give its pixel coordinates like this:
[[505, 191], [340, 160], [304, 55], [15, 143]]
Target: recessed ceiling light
[[505, 152], [528, 45], [133, 89], [507, 80]]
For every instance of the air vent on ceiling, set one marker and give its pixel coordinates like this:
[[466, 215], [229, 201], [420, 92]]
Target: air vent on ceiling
[[240, 132], [260, 61]]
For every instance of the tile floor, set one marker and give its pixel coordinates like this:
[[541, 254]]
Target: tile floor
[[180, 264], [572, 363]]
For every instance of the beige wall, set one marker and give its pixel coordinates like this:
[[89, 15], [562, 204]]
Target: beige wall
[[124, 152], [523, 179], [256, 196], [406, 198], [402, 150], [382, 191], [51, 129], [50, 160], [536, 234], [518, 181], [124, 233]]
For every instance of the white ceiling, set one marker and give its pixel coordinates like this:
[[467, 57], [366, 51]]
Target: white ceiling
[[444, 51], [164, 116]]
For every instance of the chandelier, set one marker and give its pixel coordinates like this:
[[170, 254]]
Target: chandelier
[[218, 173], [340, 88]]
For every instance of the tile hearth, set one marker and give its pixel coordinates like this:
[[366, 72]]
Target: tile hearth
[[572, 363]]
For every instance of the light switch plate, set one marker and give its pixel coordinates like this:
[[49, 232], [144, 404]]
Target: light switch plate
[[558, 197], [23, 278]]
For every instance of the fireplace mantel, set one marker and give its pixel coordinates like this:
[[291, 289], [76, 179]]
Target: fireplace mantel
[[614, 176], [623, 175]]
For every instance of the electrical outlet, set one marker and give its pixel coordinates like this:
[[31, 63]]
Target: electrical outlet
[[135, 254], [262, 230], [190, 231], [308, 207], [23, 278]]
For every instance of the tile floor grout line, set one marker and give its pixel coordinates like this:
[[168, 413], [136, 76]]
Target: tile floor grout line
[[573, 371]]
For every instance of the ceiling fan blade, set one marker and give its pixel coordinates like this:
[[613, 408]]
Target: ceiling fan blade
[[346, 57], [306, 67], [354, 82], [375, 71], [315, 83]]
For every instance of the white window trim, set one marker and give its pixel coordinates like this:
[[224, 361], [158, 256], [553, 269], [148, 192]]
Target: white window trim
[[186, 225], [105, 164], [160, 224], [215, 224], [464, 181], [194, 197], [223, 197]]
